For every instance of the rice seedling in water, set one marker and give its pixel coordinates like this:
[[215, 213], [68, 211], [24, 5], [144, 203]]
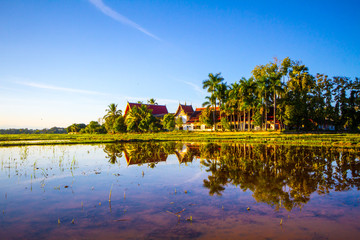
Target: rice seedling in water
[[110, 193], [73, 221], [177, 213], [72, 164], [281, 222], [59, 221]]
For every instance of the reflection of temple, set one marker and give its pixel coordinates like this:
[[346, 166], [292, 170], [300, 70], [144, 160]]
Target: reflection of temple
[[161, 157], [187, 153]]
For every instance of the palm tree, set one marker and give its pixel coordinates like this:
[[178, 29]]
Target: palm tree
[[112, 111], [139, 119], [211, 86], [210, 101], [235, 99], [276, 73], [221, 94], [263, 89], [276, 86], [248, 90], [152, 101], [261, 75], [112, 114], [252, 86], [243, 90]]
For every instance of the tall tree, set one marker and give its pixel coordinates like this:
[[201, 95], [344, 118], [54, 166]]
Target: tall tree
[[221, 93], [354, 103], [205, 118], [234, 101], [270, 79], [325, 86], [263, 83], [248, 90], [299, 86], [169, 121], [211, 85], [112, 113]]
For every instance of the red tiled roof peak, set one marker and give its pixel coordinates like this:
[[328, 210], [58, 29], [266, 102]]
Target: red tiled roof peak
[[188, 109], [156, 109]]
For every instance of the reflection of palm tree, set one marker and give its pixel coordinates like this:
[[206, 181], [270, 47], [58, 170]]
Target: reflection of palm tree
[[113, 152], [214, 186]]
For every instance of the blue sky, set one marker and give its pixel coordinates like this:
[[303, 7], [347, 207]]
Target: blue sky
[[65, 61]]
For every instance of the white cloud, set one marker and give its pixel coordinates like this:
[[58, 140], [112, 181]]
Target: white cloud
[[120, 18], [56, 88], [196, 87]]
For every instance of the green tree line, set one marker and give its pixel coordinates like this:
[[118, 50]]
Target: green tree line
[[297, 99], [53, 130], [139, 119]]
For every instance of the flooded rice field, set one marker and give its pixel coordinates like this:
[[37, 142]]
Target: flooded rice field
[[179, 191]]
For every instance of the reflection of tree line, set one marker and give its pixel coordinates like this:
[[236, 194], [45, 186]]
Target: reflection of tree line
[[281, 176]]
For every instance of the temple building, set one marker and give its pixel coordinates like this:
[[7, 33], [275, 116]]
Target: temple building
[[194, 124], [158, 111], [183, 112]]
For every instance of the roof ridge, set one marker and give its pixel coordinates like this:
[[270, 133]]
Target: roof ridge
[[146, 104]]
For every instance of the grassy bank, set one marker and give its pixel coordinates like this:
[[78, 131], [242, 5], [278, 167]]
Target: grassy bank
[[341, 140]]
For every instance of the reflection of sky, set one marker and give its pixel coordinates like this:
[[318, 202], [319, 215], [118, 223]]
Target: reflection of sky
[[146, 198]]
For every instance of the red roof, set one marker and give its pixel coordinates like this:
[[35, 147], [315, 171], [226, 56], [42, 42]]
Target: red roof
[[188, 109], [156, 109], [194, 118]]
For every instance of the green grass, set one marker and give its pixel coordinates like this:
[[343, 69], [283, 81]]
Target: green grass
[[336, 139]]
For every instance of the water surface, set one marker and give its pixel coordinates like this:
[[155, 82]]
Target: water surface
[[179, 191]]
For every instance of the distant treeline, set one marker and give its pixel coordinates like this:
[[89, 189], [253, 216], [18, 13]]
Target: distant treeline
[[56, 130]]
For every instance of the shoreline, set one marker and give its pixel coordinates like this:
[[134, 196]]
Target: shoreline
[[348, 140]]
